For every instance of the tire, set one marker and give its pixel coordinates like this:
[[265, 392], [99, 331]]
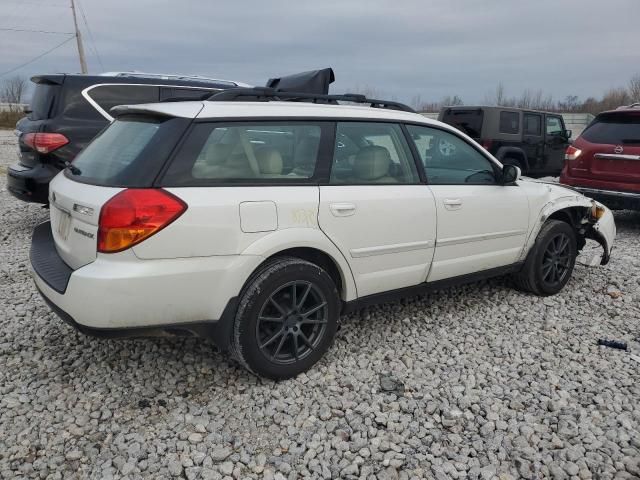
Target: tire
[[545, 272], [268, 327]]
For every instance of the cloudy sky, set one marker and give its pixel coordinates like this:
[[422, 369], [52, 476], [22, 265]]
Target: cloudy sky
[[398, 48]]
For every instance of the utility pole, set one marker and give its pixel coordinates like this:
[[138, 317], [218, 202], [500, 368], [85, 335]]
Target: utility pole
[[83, 61]]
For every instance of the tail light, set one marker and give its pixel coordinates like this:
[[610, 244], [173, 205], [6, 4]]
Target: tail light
[[45, 142], [134, 215], [486, 144], [572, 153]]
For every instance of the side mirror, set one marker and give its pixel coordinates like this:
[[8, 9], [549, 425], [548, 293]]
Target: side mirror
[[510, 174], [567, 134]]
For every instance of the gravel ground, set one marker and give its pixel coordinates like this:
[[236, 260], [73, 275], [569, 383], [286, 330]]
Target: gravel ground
[[473, 382]]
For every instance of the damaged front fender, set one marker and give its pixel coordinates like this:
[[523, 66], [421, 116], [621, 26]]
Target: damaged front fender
[[603, 231]]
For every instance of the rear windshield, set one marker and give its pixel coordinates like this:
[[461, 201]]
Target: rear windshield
[[468, 121], [614, 128], [42, 101], [128, 153]]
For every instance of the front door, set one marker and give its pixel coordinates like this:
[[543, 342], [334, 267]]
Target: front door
[[375, 209], [533, 141], [555, 144], [481, 224]]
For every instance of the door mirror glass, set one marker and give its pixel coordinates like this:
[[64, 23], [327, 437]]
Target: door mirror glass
[[567, 134], [510, 174]]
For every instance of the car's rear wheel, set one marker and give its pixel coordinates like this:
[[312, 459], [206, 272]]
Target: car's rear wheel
[[286, 319], [550, 262]]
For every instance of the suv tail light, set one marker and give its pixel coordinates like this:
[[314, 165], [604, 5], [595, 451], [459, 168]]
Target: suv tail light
[[45, 142], [572, 153], [486, 144], [133, 215]]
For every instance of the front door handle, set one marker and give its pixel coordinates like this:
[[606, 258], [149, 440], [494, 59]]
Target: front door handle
[[452, 203], [342, 209]]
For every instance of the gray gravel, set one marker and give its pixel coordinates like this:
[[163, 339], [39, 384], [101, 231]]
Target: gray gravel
[[473, 382]]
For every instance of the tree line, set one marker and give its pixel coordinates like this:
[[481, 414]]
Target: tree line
[[538, 100]]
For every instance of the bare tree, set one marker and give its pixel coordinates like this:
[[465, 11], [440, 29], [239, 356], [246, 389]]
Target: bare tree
[[12, 90], [451, 101], [634, 88]]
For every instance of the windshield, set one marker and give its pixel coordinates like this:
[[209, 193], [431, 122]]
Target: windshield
[[618, 129], [128, 153], [468, 121]]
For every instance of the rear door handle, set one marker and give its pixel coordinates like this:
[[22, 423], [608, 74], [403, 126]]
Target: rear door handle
[[342, 209], [452, 203]]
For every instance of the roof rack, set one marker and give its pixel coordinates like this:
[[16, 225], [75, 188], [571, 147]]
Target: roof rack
[[266, 94], [168, 76]]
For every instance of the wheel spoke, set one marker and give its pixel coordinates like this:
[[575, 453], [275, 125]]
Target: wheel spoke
[[277, 351], [273, 338], [295, 346], [305, 340], [294, 296], [313, 310], [282, 311], [304, 297], [307, 321], [271, 319]]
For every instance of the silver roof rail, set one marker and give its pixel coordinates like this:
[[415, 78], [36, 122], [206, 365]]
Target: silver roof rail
[[169, 76]]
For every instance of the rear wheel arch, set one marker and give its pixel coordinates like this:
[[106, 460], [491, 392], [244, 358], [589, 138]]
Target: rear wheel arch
[[505, 154]]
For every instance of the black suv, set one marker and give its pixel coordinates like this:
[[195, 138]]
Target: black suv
[[532, 140], [68, 111]]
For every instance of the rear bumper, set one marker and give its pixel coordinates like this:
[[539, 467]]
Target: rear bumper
[[613, 199], [30, 184], [120, 295]]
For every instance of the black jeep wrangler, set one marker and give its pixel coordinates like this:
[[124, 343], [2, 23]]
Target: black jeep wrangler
[[68, 111], [532, 140]]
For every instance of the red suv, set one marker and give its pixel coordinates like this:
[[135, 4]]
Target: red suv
[[604, 161]]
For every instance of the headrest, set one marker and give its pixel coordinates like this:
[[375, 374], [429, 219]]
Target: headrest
[[371, 163], [306, 151], [218, 153], [269, 161]]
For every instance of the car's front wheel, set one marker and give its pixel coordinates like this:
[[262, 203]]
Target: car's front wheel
[[286, 319], [550, 262]]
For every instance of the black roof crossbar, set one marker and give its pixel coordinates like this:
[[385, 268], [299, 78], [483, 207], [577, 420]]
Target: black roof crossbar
[[266, 94]]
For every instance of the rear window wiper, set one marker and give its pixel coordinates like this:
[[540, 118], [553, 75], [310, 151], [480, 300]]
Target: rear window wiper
[[72, 168]]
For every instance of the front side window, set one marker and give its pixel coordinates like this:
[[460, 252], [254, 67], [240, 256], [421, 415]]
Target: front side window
[[532, 124], [509, 122], [450, 160], [554, 126], [370, 152], [256, 152]]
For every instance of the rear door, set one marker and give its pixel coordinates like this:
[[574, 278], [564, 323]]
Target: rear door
[[611, 148], [375, 209]]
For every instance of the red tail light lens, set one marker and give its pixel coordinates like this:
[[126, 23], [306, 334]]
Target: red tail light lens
[[134, 215], [486, 144], [572, 153], [45, 142]]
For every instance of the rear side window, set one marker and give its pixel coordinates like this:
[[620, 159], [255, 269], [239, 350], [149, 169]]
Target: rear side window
[[109, 96], [185, 93], [128, 153], [42, 101], [467, 121], [260, 152], [614, 129], [509, 122]]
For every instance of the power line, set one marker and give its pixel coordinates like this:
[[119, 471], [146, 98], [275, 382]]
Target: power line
[[33, 31], [93, 42], [36, 58]]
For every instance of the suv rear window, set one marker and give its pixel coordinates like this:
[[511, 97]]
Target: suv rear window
[[42, 101], [467, 121], [614, 128], [128, 153]]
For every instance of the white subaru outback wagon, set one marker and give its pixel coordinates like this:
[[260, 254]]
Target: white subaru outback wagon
[[257, 223]]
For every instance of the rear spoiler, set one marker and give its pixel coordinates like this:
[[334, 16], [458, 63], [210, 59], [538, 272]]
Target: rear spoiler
[[56, 79]]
